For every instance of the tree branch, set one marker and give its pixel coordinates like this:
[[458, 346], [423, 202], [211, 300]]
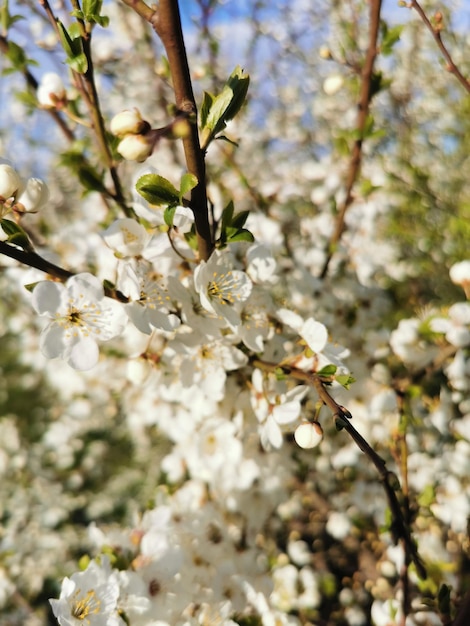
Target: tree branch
[[436, 33], [399, 527], [32, 259], [363, 106], [166, 22]]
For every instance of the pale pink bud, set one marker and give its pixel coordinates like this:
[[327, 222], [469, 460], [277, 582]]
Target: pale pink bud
[[129, 122]]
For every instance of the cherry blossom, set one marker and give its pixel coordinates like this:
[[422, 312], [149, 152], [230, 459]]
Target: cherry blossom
[[80, 316], [89, 597]]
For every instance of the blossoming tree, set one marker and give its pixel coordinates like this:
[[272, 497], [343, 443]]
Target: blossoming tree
[[236, 334]]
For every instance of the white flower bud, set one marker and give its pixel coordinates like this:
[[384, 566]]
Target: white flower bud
[[34, 196], [308, 435], [51, 91], [10, 182], [136, 147], [460, 273], [333, 84], [129, 122]]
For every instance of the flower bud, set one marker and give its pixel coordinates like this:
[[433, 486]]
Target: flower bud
[[128, 122], [51, 91], [308, 434], [136, 147], [460, 275], [333, 84], [10, 182], [34, 196]]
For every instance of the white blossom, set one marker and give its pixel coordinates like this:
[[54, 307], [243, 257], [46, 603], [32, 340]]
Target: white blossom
[[221, 288], [89, 597], [80, 316]]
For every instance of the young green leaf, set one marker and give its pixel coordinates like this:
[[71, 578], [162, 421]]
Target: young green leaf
[[169, 215], [157, 190], [328, 370], [241, 235], [16, 235], [218, 110], [188, 182]]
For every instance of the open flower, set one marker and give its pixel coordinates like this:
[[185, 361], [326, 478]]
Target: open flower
[[89, 597], [80, 316], [220, 287]]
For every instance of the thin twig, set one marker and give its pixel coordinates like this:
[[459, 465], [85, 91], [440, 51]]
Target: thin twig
[[363, 106], [399, 527], [436, 33]]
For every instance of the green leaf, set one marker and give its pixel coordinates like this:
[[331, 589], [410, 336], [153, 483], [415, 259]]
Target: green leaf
[[157, 190], [16, 235], [238, 83], [220, 109], [390, 36], [207, 102], [73, 47], [17, 57], [227, 215], [188, 182], [90, 178], [6, 19], [92, 12], [328, 370], [443, 599], [345, 380], [240, 218], [241, 235], [169, 215]]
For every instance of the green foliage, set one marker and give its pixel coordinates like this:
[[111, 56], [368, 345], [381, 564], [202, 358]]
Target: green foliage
[[390, 36], [216, 111], [18, 59], [16, 234], [75, 160], [90, 13], [72, 44], [231, 227], [6, 18], [159, 191]]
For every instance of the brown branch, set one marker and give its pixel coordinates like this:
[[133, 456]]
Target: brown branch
[[399, 527], [32, 259], [363, 106], [436, 33], [166, 22]]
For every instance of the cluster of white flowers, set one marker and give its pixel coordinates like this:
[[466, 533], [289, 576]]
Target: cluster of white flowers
[[163, 434]]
